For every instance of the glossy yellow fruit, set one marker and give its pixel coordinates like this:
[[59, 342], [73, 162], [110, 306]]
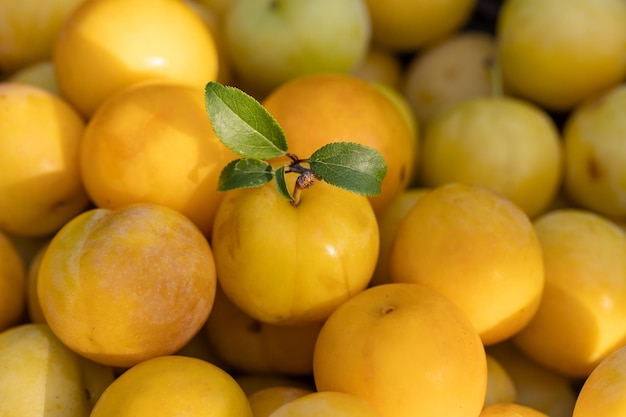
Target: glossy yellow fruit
[[250, 346], [173, 385], [478, 249], [507, 145], [40, 185], [122, 286], [327, 404], [282, 264], [406, 349], [510, 410], [265, 401], [40, 376], [601, 394], [595, 161], [557, 53], [318, 109], [12, 284], [582, 315], [153, 143], [450, 71], [108, 45], [407, 26]]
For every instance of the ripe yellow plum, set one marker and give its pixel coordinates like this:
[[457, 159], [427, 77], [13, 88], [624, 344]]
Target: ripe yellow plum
[[478, 249], [600, 395], [406, 349], [317, 109], [106, 46], [505, 144], [557, 53], [153, 143], [582, 315], [173, 385], [408, 26], [40, 375], [595, 161], [289, 265], [450, 71], [40, 185], [122, 286], [251, 346]]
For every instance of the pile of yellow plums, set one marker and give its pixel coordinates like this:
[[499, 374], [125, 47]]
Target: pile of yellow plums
[[154, 260]]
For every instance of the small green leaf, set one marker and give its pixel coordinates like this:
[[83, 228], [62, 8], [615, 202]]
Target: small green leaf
[[243, 124], [352, 166], [244, 173], [281, 184]]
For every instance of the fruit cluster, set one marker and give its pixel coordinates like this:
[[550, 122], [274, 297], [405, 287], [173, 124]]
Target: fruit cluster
[[274, 208]]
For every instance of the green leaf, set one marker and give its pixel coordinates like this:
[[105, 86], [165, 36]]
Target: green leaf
[[243, 124], [281, 184], [244, 173], [352, 166]]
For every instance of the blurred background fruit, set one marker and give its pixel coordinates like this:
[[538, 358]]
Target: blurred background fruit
[[389, 221], [128, 148], [452, 70], [13, 284], [582, 315], [35, 315], [558, 53], [500, 385], [265, 401], [28, 29], [247, 345], [510, 410], [40, 375], [270, 42], [40, 186], [317, 109], [508, 145], [108, 45], [408, 26], [327, 404], [595, 161], [536, 386], [40, 74]]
